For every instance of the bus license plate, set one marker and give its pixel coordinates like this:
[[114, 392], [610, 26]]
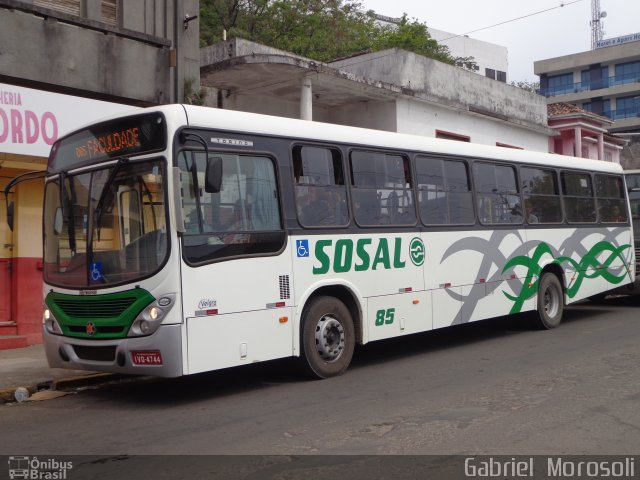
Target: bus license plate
[[146, 358]]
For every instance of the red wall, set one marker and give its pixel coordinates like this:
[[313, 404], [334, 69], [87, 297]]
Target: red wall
[[27, 297]]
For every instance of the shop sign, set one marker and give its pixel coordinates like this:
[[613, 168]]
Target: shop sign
[[31, 120]]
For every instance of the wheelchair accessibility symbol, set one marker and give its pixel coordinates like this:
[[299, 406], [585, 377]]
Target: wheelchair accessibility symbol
[[96, 272], [302, 247]]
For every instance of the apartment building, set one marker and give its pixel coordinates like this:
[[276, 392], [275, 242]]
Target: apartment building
[[605, 81]]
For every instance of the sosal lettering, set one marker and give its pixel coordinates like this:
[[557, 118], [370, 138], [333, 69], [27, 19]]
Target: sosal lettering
[[360, 256]]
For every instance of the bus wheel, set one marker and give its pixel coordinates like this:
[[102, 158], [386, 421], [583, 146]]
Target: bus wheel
[[327, 338], [550, 301]]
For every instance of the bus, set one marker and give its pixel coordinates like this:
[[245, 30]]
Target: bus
[[632, 179], [184, 239]]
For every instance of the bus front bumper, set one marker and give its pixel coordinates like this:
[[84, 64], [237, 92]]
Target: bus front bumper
[[158, 355]]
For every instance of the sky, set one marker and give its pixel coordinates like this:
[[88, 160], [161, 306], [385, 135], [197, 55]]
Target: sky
[[554, 33]]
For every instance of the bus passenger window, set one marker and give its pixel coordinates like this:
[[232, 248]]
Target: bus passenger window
[[610, 194], [497, 194], [242, 218], [541, 195], [579, 203], [381, 189], [444, 192], [321, 196]]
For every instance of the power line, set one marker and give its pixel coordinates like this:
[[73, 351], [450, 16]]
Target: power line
[[509, 21]]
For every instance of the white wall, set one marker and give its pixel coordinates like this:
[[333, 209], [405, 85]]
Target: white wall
[[485, 54], [376, 115], [419, 118]]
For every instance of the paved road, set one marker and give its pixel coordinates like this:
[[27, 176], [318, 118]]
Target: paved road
[[489, 388]]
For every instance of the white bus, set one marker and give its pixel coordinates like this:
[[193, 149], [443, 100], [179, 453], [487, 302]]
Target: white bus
[[185, 239]]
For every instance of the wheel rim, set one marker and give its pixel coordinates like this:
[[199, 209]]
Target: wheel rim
[[551, 302], [330, 338]]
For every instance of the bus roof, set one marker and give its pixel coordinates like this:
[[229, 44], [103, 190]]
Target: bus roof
[[259, 124]]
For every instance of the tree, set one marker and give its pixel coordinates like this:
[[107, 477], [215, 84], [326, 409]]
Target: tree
[[413, 36], [532, 87], [319, 29]]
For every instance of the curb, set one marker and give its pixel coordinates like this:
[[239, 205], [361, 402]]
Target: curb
[[7, 394]]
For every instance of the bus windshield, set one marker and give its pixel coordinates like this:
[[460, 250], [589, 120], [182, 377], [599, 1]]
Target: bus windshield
[[107, 226]]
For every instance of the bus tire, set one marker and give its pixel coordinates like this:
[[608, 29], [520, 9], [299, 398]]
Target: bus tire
[[327, 338], [550, 301]]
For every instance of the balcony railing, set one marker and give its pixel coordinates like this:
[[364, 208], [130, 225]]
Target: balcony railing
[[622, 113], [590, 85]]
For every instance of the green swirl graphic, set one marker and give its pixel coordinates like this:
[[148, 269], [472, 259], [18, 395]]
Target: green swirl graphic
[[534, 269]]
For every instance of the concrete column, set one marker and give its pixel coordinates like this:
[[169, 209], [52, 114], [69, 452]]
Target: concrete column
[[577, 132], [306, 100], [600, 146]]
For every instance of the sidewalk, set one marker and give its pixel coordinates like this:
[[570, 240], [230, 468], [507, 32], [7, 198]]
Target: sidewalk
[[27, 367]]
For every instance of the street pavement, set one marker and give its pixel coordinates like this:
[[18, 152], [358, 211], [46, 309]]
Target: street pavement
[[27, 367]]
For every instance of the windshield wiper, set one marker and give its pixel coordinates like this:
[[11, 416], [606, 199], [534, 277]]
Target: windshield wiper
[[103, 196], [67, 211]]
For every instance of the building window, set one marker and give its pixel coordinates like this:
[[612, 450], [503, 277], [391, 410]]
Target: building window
[[586, 106], [452, 136], [585, 152], [560, 84], [506, 145], [71, 7], [627, 107], [490, 72], [588, 81], [108, 9], [110, 12], [627, 73], [501, 76]]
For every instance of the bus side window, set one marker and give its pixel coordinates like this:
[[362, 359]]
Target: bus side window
[[381, 189], [445, 192], [541, 195], [497, 194], [578, 199], [610, 196], [321, 196]]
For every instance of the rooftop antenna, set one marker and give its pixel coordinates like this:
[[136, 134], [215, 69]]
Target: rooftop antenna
[[596, 23]]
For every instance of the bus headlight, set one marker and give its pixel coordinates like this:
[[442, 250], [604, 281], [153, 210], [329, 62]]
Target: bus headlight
[[148, 321], [50, 323]]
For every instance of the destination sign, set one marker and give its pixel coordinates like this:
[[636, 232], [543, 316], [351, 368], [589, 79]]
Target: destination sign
[[126, 136]]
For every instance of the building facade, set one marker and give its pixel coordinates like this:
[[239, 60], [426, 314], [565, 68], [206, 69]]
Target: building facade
[[64, 63], [583, 134], [392, 90], [491, 60], [605, 81]]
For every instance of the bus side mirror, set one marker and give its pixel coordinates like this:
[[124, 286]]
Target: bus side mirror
[[10, 215], [213, 175]]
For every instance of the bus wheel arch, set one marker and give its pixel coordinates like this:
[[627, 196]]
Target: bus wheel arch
[[330, 327], [550, 301]]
